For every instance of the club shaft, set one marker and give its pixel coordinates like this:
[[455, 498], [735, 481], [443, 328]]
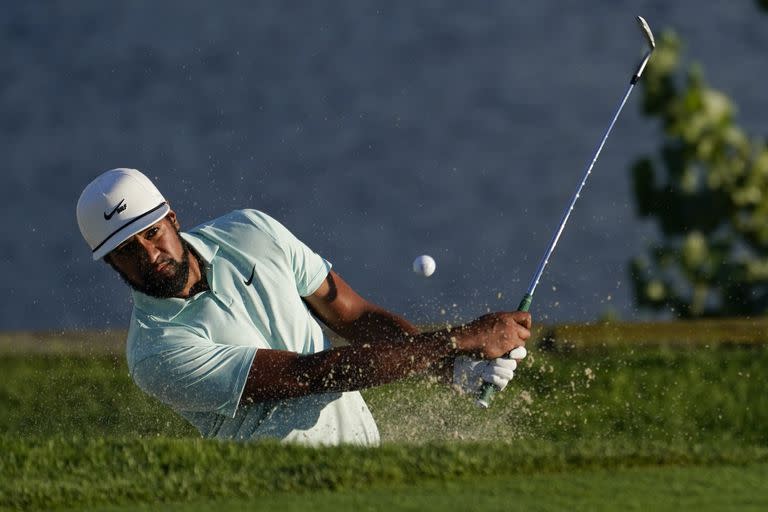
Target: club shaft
[[488, 390], [567, 213]]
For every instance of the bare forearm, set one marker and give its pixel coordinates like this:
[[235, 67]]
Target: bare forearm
[[279, 374]]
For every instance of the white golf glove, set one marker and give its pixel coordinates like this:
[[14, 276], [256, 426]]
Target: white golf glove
[[470, 374]]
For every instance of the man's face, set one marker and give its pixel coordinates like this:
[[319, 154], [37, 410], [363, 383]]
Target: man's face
[[154, 261]]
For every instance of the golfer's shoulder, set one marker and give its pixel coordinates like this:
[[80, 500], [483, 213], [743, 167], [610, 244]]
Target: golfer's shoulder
[[240, 225]]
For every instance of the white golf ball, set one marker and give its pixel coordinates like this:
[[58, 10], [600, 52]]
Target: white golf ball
[[424, 265]]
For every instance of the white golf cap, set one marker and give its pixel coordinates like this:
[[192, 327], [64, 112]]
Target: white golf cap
[[117, 205]]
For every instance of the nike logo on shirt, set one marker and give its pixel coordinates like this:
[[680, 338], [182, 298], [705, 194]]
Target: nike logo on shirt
[[120, 207], [250, 279]]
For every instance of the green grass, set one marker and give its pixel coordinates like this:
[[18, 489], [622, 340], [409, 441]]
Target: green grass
[[643, 393], [76, 432], [87, 472], [671, 489], [48, 395]]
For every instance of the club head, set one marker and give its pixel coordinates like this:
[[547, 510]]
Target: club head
[[647, 32]]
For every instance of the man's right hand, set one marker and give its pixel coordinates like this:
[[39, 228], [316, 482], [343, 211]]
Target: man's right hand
[[493, 335]]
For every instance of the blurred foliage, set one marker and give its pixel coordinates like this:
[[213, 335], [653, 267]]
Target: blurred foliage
[[763, 4], [707, 190]]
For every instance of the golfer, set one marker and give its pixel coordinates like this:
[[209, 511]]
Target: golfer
[[225, 326]]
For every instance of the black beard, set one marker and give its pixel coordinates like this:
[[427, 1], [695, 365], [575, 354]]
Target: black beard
[[157, 285]]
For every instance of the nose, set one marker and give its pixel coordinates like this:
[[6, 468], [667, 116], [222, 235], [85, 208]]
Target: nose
[[150, 249]]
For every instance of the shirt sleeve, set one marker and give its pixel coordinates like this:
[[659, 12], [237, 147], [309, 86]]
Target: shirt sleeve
[[196, 375], [309, 268]]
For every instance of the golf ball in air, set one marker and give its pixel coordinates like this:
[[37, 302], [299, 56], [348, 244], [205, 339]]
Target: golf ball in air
[[424, 265]]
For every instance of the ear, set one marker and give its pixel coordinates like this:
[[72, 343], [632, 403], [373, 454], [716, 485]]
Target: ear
[[173, 220]]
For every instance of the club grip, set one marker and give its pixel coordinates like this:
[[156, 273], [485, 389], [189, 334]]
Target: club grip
[[486, 393]]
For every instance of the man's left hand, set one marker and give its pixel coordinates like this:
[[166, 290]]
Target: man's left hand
[[470, 374]]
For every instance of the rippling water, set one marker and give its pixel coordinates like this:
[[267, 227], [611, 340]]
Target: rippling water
[[376, 131]]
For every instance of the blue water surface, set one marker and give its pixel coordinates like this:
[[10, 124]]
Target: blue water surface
[[376, 131]]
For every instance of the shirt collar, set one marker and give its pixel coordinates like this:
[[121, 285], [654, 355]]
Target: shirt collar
[[167, 309], [204, 247]]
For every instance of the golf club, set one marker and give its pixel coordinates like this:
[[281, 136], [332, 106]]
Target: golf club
[[488, 390]]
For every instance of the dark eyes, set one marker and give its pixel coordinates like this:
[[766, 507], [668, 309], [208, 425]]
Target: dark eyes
[[133, 245]]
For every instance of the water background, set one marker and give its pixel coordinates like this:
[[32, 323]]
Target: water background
[[376, 131]]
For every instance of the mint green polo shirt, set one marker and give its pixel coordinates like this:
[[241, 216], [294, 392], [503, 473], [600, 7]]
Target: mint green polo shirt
[[195, 354]]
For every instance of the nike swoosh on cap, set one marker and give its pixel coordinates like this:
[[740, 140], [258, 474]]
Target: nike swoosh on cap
[[119, 208]]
